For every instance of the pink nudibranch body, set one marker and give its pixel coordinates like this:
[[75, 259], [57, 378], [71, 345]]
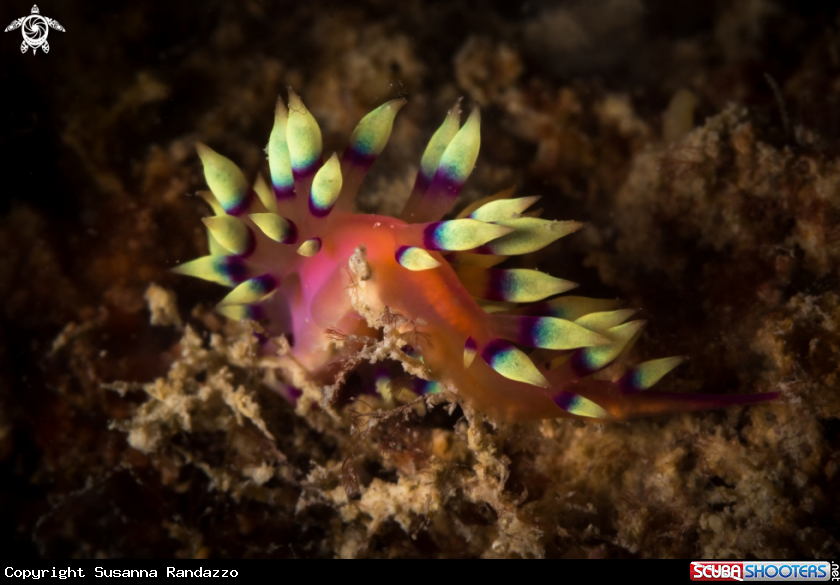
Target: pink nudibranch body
[[302, 262]]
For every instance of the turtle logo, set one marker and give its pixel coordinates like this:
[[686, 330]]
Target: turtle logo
[[35, 28]]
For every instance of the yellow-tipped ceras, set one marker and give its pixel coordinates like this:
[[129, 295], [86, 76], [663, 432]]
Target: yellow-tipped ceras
[[295, 253]]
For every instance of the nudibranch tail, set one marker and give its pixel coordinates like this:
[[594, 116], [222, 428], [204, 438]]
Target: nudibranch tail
[[299, 260]]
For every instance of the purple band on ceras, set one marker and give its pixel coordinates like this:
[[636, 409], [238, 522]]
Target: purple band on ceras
[[284, 193], [242, 205], [358, 160], [233, 268]]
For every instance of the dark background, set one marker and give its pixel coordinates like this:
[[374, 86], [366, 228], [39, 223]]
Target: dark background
[[96, 164]]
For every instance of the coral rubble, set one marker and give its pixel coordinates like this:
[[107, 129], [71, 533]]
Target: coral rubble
[[135, 422]]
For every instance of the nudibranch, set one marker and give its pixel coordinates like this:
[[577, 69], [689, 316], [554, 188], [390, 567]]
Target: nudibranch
[[305, 265]]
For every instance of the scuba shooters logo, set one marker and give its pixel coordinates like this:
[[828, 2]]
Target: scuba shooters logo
[[764, 571], [716, 571], [35, 29]]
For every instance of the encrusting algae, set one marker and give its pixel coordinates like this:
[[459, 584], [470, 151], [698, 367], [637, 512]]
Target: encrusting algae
[[391, 478]]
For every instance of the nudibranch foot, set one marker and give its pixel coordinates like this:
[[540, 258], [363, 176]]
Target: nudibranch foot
[[347, 288]]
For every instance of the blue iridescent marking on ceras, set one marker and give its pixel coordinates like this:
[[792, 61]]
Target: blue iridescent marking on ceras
[[225, 180], [371, 135], [424, 387], [275, 227], [522, 285], [415, 259], [554, 333], [512, 363], [456, 165], [303, 136], [232, 233], [436, 236], [570, 308], [528, 234], [591, 359], [251, 291], [435, 149], [578, 405], [225, 270], [279, 160], [459, 234], [646, 374], [326, 187]]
